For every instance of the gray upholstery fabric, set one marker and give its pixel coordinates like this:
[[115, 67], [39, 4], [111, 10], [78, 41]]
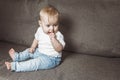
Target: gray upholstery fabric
[[89, 26], [19, 19], [73, 67]]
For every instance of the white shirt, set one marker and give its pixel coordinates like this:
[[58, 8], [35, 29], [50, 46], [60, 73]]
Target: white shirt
[[45, 45]]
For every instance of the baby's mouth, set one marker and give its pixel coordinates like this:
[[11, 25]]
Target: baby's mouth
[[49, 32]]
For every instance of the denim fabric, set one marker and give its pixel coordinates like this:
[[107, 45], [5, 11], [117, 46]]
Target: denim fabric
[[25, 61]]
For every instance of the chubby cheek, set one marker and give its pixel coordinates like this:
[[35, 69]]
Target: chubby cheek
[[45, 30], [55, 30]]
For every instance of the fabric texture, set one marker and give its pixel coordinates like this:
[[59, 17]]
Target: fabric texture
[[89, 26], [73, 67]]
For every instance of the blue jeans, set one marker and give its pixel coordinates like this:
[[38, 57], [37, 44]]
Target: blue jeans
[[25, 61]]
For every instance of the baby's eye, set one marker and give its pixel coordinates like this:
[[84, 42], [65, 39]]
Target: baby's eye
[[48, 25], [56, 25]]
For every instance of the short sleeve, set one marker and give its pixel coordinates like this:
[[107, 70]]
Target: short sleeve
[[60, 38], [37, 34]]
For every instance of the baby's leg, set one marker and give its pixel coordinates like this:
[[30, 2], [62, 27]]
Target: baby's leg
[[21, 56], [12, 53], [30, 65], [42, 62], [8, 65], [24, 55]]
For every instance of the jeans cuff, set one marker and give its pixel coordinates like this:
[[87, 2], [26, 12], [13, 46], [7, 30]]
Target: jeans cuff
[[13, 67]]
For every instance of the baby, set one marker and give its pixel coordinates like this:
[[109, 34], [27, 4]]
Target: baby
[[46, 49]]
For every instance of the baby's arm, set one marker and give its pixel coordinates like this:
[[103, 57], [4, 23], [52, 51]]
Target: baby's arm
[[33, 46], [56, 44]]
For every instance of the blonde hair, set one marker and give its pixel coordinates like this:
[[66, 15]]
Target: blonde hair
[[51, 13]]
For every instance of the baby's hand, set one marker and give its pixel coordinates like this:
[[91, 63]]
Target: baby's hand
[[52, 35], [31, 50]]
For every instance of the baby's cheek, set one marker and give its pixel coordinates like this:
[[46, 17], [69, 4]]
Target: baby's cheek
[[55, 31]]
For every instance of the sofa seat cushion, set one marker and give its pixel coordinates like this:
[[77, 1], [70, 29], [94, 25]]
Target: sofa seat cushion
[[73, 67]]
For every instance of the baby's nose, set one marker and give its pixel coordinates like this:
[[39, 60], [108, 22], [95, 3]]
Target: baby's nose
[[51, 28]]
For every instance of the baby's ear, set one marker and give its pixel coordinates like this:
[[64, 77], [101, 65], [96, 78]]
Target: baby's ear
[[39, 21]]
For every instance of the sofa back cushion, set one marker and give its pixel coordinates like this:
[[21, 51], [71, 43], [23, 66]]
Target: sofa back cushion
[[89, 27]]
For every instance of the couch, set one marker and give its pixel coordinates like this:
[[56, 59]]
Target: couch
[[92, 34]]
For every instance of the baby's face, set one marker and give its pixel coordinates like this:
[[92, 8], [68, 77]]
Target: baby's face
[[49, 26]]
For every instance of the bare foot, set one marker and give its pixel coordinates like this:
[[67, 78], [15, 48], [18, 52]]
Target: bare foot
[[11, 53], [8, 65]]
